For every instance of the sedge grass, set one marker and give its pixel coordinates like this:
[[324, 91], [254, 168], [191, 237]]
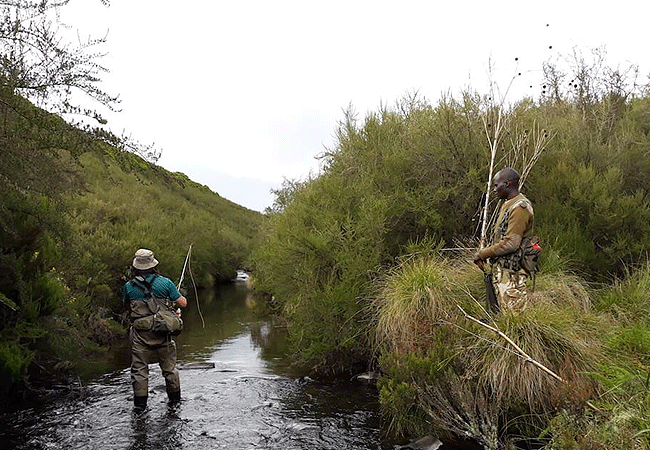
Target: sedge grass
[[418, 296], [483, 382]]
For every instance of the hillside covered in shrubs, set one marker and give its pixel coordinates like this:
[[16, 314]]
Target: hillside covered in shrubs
[[73, 210]]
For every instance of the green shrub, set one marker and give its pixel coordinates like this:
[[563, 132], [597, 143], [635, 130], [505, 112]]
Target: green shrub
[[14, 362]]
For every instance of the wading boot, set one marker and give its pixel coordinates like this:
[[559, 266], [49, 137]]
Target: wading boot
[[174, 397], [140, 403]]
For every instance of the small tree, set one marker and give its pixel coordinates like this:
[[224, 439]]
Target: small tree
[[40, 65]]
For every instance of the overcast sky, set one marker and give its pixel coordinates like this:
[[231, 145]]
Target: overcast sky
[[240, 94]]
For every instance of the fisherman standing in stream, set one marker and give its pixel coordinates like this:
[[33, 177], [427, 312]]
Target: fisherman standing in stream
[[151, 300], [512, 234]]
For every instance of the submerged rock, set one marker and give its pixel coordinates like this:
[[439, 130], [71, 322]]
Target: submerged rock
[[196, 365], [424, 443]]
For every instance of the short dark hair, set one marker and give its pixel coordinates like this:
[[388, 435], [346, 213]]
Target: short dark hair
[[510, 174]]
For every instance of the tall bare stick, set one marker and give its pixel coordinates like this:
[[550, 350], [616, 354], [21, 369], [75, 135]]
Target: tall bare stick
[[494, 145], [493, 134]]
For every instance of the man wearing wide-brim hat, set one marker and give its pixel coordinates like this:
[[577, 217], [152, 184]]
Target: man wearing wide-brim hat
[[146, 293]]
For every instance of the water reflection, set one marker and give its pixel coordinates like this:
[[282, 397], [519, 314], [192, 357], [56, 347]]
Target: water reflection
[[250, 399], [156, 432], [271, 341]]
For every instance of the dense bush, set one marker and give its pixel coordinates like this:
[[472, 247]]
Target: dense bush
[[411, 179], [405, 185], [383, 191]]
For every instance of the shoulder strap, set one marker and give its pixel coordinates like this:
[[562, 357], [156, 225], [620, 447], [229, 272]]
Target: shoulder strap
[[524, 203], [503, 226], [141, 283], [145, 286]]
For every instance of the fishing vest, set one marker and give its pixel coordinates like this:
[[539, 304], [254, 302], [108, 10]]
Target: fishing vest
[[505, 220], [527, 255]]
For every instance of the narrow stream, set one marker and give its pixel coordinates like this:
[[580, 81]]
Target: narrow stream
[[251, 399]]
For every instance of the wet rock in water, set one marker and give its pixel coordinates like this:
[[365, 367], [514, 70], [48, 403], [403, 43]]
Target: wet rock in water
[[196, 365], [304, 380], [424, 443], [367, 377]]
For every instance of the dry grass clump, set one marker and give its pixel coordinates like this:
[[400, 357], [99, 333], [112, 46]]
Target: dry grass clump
[[554, 337], [469, 379], [563, 291], [417, 297], [559, 331]]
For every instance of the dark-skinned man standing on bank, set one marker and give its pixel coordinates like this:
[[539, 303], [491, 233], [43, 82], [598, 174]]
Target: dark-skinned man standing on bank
[[513, 230]]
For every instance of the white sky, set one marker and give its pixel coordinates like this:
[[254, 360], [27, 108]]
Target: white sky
[[240, 94]]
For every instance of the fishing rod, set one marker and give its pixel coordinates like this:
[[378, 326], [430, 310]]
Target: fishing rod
[[188, 265], [187, 258]]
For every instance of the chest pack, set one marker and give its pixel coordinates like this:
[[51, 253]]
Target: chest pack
[[151, 313]]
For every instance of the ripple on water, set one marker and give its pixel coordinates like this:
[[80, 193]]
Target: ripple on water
[[235, 410]]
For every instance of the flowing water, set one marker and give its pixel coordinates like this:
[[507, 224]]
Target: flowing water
[[251, 399]]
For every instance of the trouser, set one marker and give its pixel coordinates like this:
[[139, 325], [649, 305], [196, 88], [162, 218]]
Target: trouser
[[510, 287], [147, 348]]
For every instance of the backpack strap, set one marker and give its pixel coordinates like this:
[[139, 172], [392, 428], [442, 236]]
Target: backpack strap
[[145, 286]]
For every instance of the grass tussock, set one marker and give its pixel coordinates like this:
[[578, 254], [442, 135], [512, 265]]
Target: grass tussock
[[419, 296], [626, 300], [467, 379], [553, 336]]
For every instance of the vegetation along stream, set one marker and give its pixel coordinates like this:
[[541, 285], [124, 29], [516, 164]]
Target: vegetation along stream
[[250, 399]]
